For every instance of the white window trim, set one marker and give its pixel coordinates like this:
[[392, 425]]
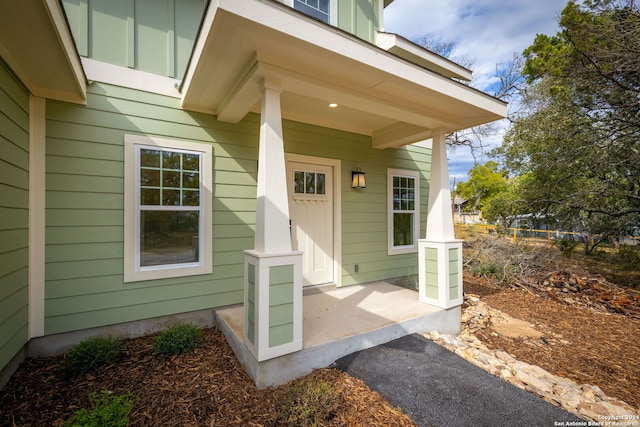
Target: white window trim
[[132, 270], [396, 250]]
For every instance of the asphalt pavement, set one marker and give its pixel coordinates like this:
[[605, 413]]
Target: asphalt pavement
[[438, 388]]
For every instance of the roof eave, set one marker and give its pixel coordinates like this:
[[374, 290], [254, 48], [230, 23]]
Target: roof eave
[[39, 48], [241, 43]]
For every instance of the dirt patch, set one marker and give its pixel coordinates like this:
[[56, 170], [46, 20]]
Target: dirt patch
[[514, 328], [589, 326], [205, 388], [575, 342]]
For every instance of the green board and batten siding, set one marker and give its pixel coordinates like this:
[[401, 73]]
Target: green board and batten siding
[[84, 216], [156, 36], [360, 17], [14, 214]]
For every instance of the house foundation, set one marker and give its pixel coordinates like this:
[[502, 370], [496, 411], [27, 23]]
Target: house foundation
[[338, 322]]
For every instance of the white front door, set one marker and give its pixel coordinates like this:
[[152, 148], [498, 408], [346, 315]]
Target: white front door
[[310, 188]]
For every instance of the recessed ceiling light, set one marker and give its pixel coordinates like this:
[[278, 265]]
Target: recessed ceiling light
[[333, 105]]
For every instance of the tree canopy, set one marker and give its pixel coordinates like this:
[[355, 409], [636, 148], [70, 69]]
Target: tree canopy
[[485, 181], [578, 138]]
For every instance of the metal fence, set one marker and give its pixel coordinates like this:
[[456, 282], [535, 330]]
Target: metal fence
[[467, 231]]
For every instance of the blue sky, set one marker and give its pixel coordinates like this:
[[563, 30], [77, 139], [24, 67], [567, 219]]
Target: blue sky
[[486, 31]]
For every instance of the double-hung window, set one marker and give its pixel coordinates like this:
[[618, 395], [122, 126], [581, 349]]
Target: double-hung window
[[319, 9], [167, 208], [404, 210]]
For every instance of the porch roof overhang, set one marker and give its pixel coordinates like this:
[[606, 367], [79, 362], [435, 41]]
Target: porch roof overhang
[[395, 101], [38, 46]]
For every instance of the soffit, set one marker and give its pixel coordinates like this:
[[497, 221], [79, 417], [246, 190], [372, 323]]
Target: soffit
[[37, 45], [393, 100]]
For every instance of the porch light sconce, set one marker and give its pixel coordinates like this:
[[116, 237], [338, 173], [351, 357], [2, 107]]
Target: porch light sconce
[[357, 179]]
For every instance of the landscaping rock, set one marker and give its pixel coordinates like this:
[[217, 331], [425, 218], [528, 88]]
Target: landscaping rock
[[586, 401]]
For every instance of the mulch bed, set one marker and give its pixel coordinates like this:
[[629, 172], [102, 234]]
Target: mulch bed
[[208, 387], [581, 343], [205, 388]]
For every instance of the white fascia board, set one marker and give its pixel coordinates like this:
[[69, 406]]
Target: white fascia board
[[198, 47], [59, 21], [127, 77], [412, 52], [283, 19]]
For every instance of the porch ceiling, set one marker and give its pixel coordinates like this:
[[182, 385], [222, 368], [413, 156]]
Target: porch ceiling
[[378, 94], [37, 45]]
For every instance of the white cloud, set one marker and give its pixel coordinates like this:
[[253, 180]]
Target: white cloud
[[486, 31]]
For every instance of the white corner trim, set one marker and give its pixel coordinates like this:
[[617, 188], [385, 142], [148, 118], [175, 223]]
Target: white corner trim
[[127, 77], [37, 175]]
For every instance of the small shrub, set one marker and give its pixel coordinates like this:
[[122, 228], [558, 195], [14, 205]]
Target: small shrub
[[566, 245], [629, 255], [484, 269], [107, 411], [409, 282], [308, 403], [89, 355], [178, 339]]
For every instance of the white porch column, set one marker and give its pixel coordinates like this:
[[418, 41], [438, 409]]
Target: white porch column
[[440, 254], [272, 271]]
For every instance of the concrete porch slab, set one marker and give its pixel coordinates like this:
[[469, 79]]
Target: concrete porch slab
[[338, 322]]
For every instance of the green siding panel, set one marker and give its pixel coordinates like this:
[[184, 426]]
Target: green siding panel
[[14, 333], [109, 33], [85, 202], [156, 36], [12, 239], [431, 274], [360, 17], [280, 315], [279, 335], [14, 211], [454, 289], [125, 313], [281, 274], [281, 293], [280, 305]]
